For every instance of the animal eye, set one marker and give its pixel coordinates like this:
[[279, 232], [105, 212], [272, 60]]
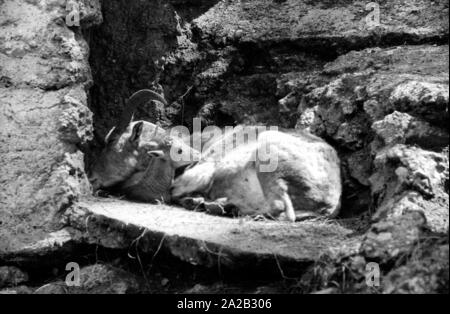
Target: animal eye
[[180, 151]]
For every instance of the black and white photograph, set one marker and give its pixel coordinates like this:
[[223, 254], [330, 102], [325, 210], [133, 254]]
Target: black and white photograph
[[224, 153]]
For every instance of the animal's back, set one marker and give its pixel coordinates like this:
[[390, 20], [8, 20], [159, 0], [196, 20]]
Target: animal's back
[[309, 166], [311, 169]]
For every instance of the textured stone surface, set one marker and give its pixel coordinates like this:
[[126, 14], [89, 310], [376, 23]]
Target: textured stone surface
[[44, 74], [126, 52], [17, 290], [409, 79], [38, 248], [345, 21], [96, 279], [409, 257], [248, 46], [402, 128], [12, 276], [391, 239], [206, 240], [360, 108], [411, 179], [426, 271]]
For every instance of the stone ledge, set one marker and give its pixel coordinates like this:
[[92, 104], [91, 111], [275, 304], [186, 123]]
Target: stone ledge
[[206, 240]]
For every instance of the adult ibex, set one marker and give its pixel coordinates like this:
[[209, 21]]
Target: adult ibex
[[303, 178], [135, 159]]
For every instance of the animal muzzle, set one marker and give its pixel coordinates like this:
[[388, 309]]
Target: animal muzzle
[[176, 192]]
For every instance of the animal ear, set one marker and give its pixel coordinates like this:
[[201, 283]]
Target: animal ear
[[136, 132], [156, 153]]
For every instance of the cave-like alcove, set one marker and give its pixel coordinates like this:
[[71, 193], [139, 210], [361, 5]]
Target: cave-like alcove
[[135, 48]]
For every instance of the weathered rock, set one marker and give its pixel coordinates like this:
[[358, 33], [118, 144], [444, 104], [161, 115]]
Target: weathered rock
[[411, 179], [402, 128], [366, 88], [321, 21], [96, 279], [41, 251], [390, 239], [426, 271], [12, 276], [261, 30], [127, 53], [360, 111], [245, 49], [17, 290], [44, 73], [409, 258], [206, 240]]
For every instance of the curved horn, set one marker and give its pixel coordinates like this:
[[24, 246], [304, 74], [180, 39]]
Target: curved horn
[[145, 95], [137, 99]]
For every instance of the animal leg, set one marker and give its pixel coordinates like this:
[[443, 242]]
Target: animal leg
[[217, 207], [276, 193], [192, 203]]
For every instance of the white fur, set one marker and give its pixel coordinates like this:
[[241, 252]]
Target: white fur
[[306, 177], [195, 179]]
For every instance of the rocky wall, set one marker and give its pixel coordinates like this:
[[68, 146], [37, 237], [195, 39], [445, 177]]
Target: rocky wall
[[44, 118]]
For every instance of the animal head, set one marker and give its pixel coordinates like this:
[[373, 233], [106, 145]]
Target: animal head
[[130, 147], [198, 178], [120, 156]]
